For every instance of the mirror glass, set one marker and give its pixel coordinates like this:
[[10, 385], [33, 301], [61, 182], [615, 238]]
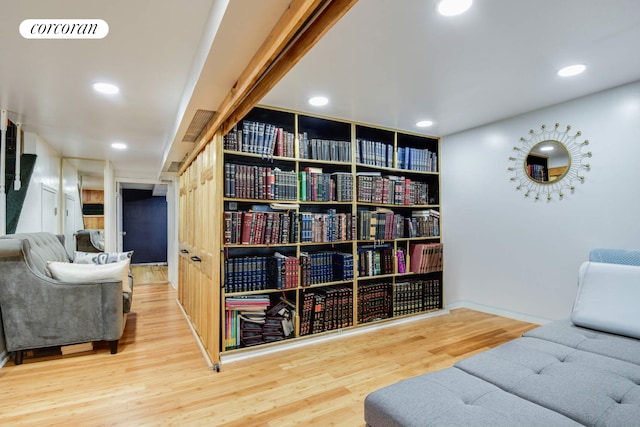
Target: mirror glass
[[548, 161], [83, 197]]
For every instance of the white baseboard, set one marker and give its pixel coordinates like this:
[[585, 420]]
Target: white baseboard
[[498, 312]]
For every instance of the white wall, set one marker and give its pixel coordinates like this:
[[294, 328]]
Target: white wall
[[512, 255], [73, 211], [173, 199], [47, 173]]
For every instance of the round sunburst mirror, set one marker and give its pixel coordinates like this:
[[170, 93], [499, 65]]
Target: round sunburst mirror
[[549, 161]]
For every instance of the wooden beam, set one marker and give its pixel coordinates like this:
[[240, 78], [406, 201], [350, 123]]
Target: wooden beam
[[322, 23], [315, 17]]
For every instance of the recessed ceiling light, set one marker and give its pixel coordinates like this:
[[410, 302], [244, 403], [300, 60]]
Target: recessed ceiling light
[[453, 7], [424, 123], [106, 88], [547, 148], [119, 146], [318, 101], [571, 70]]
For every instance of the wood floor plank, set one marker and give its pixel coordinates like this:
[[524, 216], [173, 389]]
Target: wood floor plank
[[159, 377]]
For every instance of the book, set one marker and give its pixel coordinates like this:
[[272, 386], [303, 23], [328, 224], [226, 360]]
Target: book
[[425, 258]]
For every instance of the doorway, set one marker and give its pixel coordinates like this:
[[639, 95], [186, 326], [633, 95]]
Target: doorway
[[144, 223]]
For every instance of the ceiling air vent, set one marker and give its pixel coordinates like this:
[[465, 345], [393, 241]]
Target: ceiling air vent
[[198, 123], [174, 167]]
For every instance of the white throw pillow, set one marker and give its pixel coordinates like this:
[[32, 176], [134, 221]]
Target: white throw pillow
[[83, 273], [607, 299]]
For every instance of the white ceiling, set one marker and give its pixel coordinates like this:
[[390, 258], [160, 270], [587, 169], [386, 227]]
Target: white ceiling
[[387, 63], [392, 63]]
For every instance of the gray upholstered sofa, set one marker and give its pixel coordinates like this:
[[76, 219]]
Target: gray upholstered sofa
[[40, 311], [90, 240], [582, 371]]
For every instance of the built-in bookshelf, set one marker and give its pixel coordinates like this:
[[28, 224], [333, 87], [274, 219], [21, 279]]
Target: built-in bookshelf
[[325, 225], [338, 222], [93, 208]]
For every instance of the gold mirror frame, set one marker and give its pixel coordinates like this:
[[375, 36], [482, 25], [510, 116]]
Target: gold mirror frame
[[576, 166]]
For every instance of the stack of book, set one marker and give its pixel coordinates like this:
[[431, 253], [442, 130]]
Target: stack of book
[[244, 317], [374, 153], [433, 295], [282, 271], [259, 182], [372, 187], [279, 322], [328, 226], [416, 296], [425, 257], [417, 159], [381, 224], [258, 273], [324, 267], [323, 149], [260, 138], [326, 309], [375, 260], [256, 227], [423, 224], [374, 301], [318, 186]]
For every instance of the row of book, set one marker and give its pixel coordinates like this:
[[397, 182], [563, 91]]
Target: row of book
[[372, 187], [259, 182], [416, 296], [425, 257], [325, 267], [380, 225], [271, 140], [377, 260], [383, 224], [258, 273], [270, 228], [324, 149], [326, 309], [260, 228], [374, 153], [374, 302], [253, 320], [325, 187], [260, 138], [425, 223], [417, 159], [329, 226]]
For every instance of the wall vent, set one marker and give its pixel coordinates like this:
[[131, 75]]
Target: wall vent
[[174, 167], [198, 123]]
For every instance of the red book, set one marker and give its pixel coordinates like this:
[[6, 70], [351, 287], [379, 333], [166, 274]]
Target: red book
[[247, 219]]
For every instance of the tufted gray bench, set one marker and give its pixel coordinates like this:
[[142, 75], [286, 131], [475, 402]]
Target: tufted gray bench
[[560, 374]]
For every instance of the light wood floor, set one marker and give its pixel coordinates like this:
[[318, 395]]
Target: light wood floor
[[145, 274], [159, 376]]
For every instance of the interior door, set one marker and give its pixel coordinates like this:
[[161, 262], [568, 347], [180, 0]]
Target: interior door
[[49, 213], [144, 226]]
